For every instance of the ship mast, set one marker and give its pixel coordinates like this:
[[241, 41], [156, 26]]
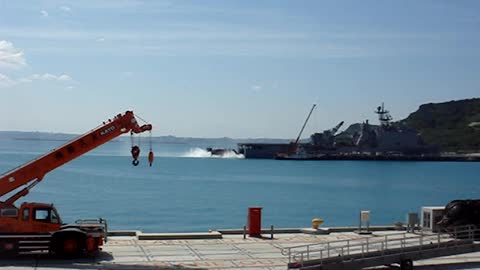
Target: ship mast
[[383, 116]]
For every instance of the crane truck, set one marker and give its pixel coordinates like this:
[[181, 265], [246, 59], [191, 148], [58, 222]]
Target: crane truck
[[37, 227]]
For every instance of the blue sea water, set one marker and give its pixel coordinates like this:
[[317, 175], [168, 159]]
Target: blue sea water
[[185, 191]]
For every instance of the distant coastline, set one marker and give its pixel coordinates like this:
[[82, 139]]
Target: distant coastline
[[169, 139], [40, 139]]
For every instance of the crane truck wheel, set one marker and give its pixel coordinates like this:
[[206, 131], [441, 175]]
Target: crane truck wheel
[[69, 244], [8, 248], [406, 264]]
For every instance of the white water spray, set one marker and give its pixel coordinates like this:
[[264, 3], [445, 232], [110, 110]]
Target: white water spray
[[202, 153]]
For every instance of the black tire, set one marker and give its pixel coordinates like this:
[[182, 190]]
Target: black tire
[[406, 265], [68, 245], [8, 248]]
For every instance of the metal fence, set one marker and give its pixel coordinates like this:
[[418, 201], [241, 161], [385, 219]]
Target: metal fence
[[379, 245]]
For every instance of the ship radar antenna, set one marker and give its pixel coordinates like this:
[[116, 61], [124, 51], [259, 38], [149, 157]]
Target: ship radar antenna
[[383, 116]]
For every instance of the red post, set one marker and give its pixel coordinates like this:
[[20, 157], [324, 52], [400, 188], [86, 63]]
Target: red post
[[254, 221]]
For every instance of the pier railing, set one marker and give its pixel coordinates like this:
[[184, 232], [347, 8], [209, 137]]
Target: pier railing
[[343, 250]]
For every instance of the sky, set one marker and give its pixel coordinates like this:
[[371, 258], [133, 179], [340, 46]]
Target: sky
[[241, 69]]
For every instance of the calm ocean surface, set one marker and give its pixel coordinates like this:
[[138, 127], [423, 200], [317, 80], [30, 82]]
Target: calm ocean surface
[[186, 192]]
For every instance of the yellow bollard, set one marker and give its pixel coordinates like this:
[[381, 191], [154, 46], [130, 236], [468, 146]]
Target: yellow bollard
[[316, 222]]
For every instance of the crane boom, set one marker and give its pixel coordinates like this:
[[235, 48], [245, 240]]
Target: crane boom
[[336, 128], [33, 172], [304, 124]]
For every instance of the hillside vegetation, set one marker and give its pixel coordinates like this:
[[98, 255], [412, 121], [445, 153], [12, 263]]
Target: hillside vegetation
[[453, 125]]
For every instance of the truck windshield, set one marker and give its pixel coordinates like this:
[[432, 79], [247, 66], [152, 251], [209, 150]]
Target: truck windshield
[[55, 218], [45, 215]]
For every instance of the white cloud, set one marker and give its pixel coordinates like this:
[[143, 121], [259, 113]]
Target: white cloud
[[43, 77], [10, 57], [44, 13], [256, 88], [64, 77], [65, 8], [5, 81], [49, 77], [102, 39]]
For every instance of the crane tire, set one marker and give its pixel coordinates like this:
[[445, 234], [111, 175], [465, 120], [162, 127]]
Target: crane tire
[[8, 248], [69, 245], [406, 265]]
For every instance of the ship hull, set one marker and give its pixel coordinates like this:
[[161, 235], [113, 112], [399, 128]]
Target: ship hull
[[262, 150]]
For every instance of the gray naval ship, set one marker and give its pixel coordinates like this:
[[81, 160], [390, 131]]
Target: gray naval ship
[[387, 140]]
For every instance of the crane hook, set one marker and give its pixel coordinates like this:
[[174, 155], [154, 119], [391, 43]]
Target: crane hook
[[135, 153], [150, 157]]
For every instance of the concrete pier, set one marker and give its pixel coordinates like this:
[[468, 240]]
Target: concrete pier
[[230, 251]]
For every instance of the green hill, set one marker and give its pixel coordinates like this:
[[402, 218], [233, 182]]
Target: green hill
[[453, 125]]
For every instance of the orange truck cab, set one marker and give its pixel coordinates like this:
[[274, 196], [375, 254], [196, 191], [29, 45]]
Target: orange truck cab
[[31, 218], [38, 227]]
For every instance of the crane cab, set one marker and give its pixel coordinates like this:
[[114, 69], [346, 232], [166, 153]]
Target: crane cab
[[30, 218], [38, 227]]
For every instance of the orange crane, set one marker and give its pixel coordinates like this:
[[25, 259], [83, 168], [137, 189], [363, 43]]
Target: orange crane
[[37, 226]]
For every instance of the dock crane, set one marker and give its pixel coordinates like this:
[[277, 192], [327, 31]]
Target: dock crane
[[294, 146], [37, 226]]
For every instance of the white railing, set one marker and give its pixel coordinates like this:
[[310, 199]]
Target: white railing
[[365, 246]]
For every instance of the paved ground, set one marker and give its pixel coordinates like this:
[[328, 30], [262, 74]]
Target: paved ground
[[231, 252]]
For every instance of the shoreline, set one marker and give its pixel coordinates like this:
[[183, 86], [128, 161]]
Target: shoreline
[[218, 234], [441, 158]]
